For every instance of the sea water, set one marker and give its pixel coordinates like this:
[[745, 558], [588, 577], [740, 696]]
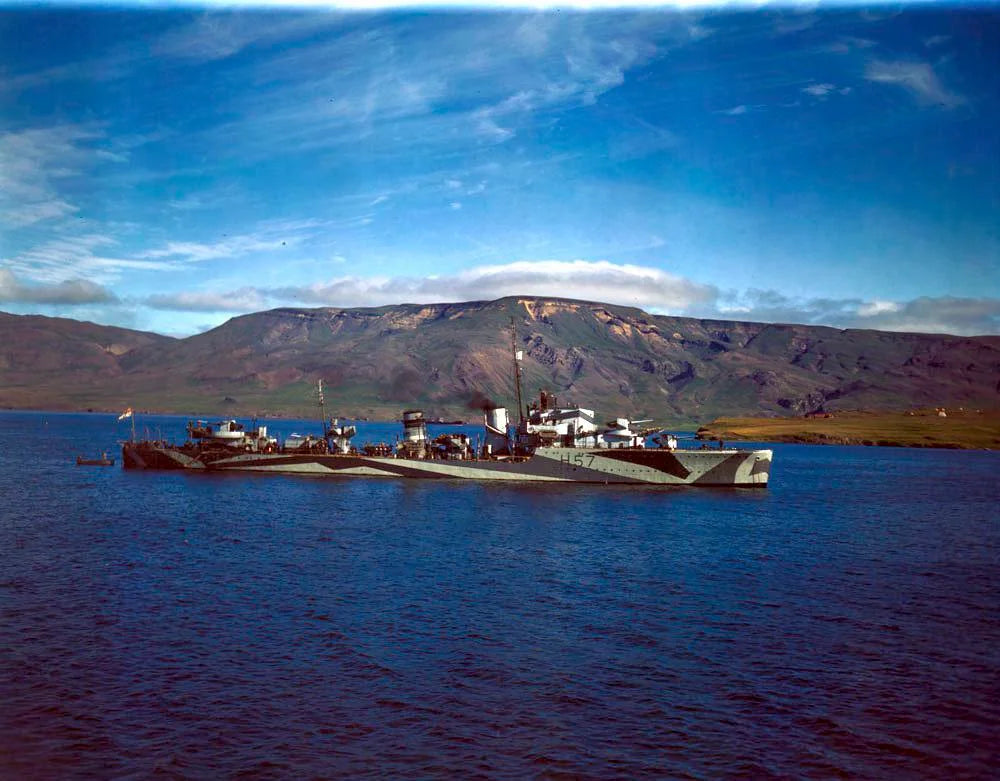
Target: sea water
[[843, 622]]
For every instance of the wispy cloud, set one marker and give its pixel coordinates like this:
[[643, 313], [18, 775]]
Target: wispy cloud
[[592, 63], [39, 166], [218, 34], [21, 215], [212, 35], [241, 300], [652, 289], [795, 22], [487, 127], [93, 256], [238, 246], [825, 89], [269, 237], [79, 256], [481, 82], [190, 202], [589, 280], [73, 292], [638, 139], [848, 43], [936, 40], [917, 78], [33, 162], [944, 314]]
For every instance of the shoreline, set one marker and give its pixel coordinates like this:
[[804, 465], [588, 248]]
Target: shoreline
[[955, 430]]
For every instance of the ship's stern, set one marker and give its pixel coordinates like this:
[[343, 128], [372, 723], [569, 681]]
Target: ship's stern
[[150, 455]]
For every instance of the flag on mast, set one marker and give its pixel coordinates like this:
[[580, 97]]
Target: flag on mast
[[519, 355], [126, 414]]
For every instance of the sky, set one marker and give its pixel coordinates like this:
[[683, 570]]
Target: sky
[[168, 168]]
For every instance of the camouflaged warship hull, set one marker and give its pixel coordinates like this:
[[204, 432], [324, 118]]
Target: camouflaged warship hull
[[648, 466]]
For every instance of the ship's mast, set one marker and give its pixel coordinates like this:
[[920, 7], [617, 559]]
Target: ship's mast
[[517, 370], [322, 406]]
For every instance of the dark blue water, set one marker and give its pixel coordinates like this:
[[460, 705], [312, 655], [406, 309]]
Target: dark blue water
[[845, 622]]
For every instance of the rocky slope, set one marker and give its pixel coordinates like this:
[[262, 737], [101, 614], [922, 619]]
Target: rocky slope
[[447, 358], [62, 363]]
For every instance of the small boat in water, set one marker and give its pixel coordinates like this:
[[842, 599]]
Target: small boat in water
[[102, 461]]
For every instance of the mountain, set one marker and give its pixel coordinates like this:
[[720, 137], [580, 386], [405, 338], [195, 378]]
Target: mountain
[[55, 362], [449, 358]]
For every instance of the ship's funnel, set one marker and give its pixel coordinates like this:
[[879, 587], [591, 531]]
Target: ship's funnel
[[414, 426], [497, 419], [496, 430]]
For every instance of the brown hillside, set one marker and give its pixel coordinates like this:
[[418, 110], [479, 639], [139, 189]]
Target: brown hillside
[[443, 357]]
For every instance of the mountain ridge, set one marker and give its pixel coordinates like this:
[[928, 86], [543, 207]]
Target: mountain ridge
[[449, 357]]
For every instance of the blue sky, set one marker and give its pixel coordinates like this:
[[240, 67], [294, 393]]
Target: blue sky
[[167, 169]]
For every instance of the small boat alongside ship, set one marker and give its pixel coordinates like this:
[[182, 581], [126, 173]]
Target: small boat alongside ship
[[102, 461]]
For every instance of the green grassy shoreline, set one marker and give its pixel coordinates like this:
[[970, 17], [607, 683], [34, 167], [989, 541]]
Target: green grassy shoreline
[[960, 429]]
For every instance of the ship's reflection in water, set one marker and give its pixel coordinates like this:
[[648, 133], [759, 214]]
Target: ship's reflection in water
[[842, 622]]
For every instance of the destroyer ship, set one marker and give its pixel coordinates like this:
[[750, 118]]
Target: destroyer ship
[[548, 443]]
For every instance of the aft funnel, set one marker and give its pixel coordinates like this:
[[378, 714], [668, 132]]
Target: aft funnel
[[496, 430]]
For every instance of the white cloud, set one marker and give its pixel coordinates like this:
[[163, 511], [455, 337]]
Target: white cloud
[[796, 22], [33, 162], [945, 314], [491, 75], [819, 90], [594, 63], [652, 289], [637, 139], [241, 300], [187, 203], [216, 35], [195, 252], [918, 78], [588, 280], [877, 307], [39, 164], [269, 237], [112, 156], [73, 292], [72, 257], [735, 111], [212, 35], [87, 255], [824, 90], [488, 129], [21, 215], [455, 205], [849, 43]]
